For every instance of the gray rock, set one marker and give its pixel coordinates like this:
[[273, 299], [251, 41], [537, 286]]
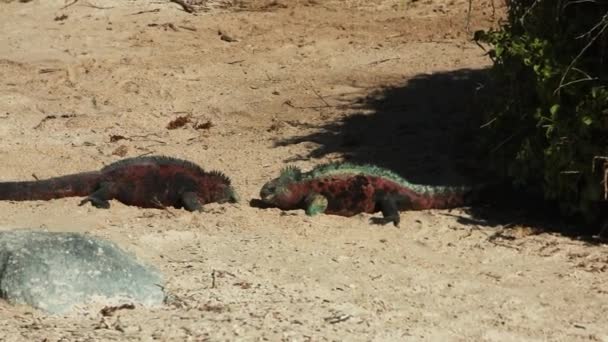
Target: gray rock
[[56, 271]]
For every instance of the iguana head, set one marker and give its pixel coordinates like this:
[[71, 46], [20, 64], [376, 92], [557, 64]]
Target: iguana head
[[219, 189], [279, 191], [230, 195]]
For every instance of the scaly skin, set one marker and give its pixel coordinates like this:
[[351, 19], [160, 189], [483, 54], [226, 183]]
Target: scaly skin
[[147, 182], [347, 189]]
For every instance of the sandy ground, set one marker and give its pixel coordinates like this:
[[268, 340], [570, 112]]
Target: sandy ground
[[302, 82]]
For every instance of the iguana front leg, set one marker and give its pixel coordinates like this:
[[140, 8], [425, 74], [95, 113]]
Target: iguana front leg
[[389, 205], [191, 201], [390, 212], [100, 198], [315, 204]]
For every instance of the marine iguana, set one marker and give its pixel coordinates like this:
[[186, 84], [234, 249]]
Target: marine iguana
[[147, 182], [347, 189]]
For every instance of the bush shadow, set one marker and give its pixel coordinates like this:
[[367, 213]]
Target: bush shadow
[[418, 129], [426, 130]]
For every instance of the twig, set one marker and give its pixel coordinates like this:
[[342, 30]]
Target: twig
[[588, 33], [338, 318], [528, 11], [145, 138], [605, 166], [235, 62], [573, 82], [45, 119], [488, 123], [70, 4], [468, 25], [168, 211], [145, 154], [320, 97], [159, 205], [110, 310], [185, 6], [193, 29], [213, 279], [48, 70], [226, 37], [499, 235], [95, 6], [580, 54], [268, 76], [502, 143], [383, 60], [290, 104], [156, 10]]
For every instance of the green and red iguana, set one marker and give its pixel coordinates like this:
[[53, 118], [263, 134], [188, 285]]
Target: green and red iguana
[[347, 189], [147, 182]]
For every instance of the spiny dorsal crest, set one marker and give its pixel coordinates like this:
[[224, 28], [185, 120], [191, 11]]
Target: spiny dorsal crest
[[336, 169], [154, 160], [224, 179], [292, 173]]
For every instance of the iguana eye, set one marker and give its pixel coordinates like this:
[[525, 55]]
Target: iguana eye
[[267, 190]]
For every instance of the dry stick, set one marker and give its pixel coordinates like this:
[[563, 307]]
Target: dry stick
[[290, 104], [588, 33], [605, 182], [320, 97], [193, 29], [150, 11], [184, 5], [48, 70], [492, 239], [605, 166], [573, 82], [45, 119], [95, 6], [505, 141], [580, 54], [383, 61], [213, 279], [528, 11], [469, 16], [70, 4], [145, 154]]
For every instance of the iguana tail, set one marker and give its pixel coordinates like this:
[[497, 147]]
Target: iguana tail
[[80, 184], [445, 197]]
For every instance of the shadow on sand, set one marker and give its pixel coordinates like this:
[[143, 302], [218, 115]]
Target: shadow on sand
[[426, 130], [418, 129]]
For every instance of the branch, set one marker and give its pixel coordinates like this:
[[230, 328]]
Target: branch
[[188, 8], [580, 54]]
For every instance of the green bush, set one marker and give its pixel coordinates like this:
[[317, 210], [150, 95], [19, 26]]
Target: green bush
[[549, 118]]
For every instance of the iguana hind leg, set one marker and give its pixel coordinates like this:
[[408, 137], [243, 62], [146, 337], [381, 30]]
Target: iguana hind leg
[[191, 202], [315, 204], [100, 198]]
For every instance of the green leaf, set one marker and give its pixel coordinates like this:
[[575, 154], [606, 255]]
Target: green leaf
[[587, 120], [498, 50], [553, 110]]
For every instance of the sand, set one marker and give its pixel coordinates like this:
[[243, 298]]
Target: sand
[[280, 82]]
